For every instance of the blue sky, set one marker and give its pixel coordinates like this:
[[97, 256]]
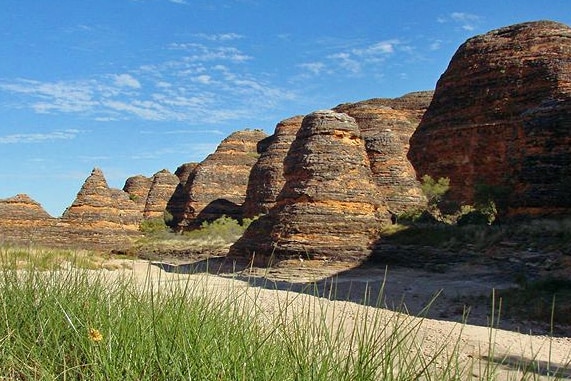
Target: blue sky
[[135, 86]]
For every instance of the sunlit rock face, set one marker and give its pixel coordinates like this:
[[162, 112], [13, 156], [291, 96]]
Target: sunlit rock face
[[501, 116], [217, 186], [98, 205], [329, 206], [386, 125]]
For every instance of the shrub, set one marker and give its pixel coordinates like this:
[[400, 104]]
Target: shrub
[[434, 189], [153, 225]]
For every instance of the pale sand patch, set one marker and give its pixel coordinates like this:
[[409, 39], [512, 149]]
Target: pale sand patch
[[473, 342]]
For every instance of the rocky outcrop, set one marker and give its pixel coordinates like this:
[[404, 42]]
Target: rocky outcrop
[[387, 125], [22, 220], [500, 117], [217, 186], [22, 208], [329, 206], [162, 188], [176, 205], [97, 205], [138, 189], [266, 178]]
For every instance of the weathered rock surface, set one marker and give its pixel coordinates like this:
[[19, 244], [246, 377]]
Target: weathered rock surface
[[97, 205], [162, 188], [501, 116], [266, 177], [217, 186], [22, 208], [138, 188], [329, 206], [387, 125], [176, 205]]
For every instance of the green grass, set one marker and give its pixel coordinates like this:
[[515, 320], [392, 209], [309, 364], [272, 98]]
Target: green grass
[[40, 258], [79, 324], [544, 234]]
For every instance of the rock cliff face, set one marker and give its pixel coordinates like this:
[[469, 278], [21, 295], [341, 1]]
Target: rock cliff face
[[329, 206], [386, 126], [176, 204], [22, 208], [97, 205], [138, 189], [501, 116], [163, 185], [266, 178], [217, 186], [22, 219]]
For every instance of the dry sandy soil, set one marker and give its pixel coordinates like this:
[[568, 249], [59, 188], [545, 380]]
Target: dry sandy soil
[[350, 290]]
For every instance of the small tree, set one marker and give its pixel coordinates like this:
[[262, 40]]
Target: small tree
[[434, 189]]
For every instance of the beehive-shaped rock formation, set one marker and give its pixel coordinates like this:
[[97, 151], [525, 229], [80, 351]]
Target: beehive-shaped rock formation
[[138, 188], [387, 125], [329, 206], [501, 117], [266, 178], [217, 186], [162, 188], [97, 205]]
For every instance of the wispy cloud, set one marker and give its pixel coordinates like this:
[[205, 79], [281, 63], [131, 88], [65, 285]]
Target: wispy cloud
[[199, 84], [38, 137], [219, 36], [178, 1], [466, 21], [127, 80], [354, 60]]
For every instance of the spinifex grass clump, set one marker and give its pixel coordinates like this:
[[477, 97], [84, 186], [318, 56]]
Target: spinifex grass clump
[[89, 325], [38, 258]]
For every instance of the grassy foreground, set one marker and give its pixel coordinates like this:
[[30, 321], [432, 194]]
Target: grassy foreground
[[76, 324]]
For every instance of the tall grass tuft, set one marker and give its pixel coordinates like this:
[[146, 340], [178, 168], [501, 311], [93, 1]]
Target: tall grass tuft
[[91, 325]]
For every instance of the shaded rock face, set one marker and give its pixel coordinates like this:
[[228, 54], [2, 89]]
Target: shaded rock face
[[501, 116], [176, 204], [97, 205], [223, 175], [266, 178], [386, 126], [163, 185], [329, 206]]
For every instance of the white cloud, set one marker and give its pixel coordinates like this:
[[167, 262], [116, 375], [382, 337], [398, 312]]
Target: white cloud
[[219, 36], [378, 48], [314, 67], [198, 84], [178, 1], [466, 21], [204, 79], [127, 80], [39, 137], [203, 53], [345, 61]]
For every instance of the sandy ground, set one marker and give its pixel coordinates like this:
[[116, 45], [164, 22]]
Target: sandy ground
[[346, 293]]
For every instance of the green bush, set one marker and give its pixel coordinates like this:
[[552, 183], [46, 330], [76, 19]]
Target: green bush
[[153, 226], [224, 228], [434, 190]]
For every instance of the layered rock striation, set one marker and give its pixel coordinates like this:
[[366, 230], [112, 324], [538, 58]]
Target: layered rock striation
[[329, 206], [99, 206], [217, 186], [386, 126], [163, 186], [266, 178], [500, 120]]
